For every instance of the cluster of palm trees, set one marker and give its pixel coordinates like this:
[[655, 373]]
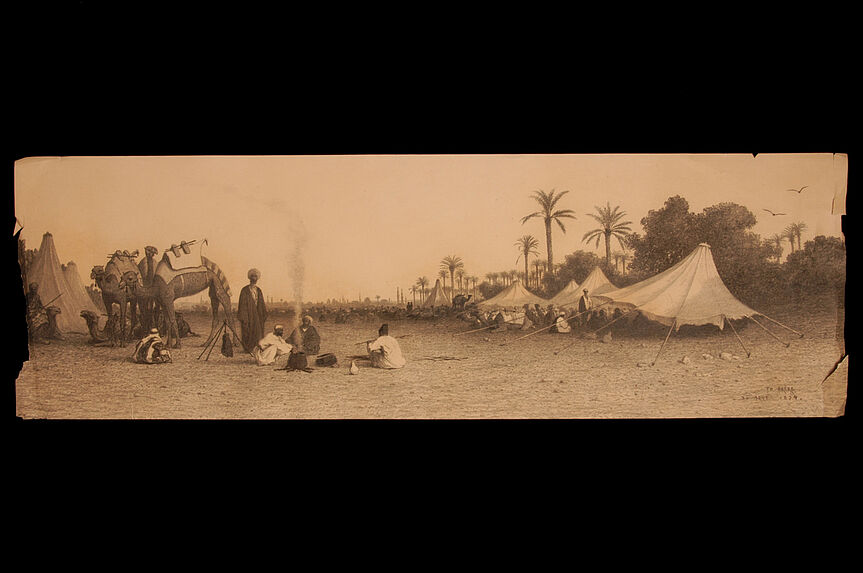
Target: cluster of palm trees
[[792, 232], [611, 225], [451, 267]]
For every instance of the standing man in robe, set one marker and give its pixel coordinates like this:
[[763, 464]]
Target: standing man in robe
[[584, 305], [251, 312]]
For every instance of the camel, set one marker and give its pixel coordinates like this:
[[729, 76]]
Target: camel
[[115, 290], [48, 330], [107, 336], [169, 284], [460, 300]]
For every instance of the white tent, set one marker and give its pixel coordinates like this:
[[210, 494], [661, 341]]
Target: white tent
[[437, 297], [567, 294], [77, 292], [690, 292], [48, 274], [513, 296], [597, 285]]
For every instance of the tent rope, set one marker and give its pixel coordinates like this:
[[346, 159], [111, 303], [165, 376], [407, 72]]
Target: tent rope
[[800, 334], [786, 344]]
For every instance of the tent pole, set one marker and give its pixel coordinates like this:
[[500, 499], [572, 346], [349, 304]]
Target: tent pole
[[526, 335], [664, 341], [215, 340], [737, 335], [800, 334], [786, 344]]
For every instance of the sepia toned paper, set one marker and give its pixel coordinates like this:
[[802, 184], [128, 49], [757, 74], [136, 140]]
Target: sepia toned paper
[[751, 326]]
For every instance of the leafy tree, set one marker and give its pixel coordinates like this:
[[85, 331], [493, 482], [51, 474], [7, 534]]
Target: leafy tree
[[576, 266], [548, 202], [668, 237], [818, 268]]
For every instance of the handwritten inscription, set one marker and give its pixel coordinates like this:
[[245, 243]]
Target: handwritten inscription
[[773, 393]]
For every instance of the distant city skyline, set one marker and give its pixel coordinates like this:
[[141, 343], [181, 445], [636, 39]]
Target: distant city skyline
[[345, 226]]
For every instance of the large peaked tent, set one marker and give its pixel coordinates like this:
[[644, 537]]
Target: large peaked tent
[[48, 274], [437, 296], [513, 296], [567, 294], [690, 292]]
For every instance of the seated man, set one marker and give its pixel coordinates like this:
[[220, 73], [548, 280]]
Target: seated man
[[183, 328], [305, 337], [385, 351], [561, 325], [271, 347], [151, 349]]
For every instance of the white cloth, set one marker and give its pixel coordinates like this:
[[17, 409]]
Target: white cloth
[[391, 354], [254, 291], [269, 348], [562, 325]]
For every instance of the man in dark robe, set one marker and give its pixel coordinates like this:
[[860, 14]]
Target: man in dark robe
[[36, 315], [584, 305], [305, 338], [251, 312]]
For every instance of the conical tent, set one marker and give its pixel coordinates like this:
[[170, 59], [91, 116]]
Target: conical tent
[[690, 292], [513, 296], [567, 294], [77, 292], [597, 285], [48, 274], [437, 296]]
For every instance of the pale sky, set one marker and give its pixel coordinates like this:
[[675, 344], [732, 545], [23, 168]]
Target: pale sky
[[333, 226]]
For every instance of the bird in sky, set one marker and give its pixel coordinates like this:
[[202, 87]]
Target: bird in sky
[[772, 213], [798, 190]]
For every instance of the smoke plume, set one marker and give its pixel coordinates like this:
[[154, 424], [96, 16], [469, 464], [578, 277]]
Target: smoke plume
[[298, 268]]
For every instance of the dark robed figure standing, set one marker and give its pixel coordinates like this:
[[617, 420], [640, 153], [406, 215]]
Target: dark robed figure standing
[[251, 312]]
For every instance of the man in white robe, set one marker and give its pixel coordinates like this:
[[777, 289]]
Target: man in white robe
[[385, 351], [272, 346]]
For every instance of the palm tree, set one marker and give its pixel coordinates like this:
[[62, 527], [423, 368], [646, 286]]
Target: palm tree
[[538, 266], [422, 282], [527, 246], [617, 256], [459, 275], [494, 277], [490, 278], [790, 233], [473, 280], [451, 263], [798, 229], [413, 290], [610, 226], [548, 201], [776, 240]]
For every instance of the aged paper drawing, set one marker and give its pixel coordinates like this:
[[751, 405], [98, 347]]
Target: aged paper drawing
[[433, 286]]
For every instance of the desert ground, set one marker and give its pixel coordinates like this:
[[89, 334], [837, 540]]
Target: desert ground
[[483, 375]]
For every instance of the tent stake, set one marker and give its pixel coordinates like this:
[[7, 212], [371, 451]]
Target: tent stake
[[663, 342], [800, 334], [786, 344], [737, 335]]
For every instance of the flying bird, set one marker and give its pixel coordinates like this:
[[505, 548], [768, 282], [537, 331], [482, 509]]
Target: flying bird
[[772, 213], [798, 190]]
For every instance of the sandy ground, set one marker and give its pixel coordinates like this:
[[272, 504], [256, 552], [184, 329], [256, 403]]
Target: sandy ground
[[483, 378]]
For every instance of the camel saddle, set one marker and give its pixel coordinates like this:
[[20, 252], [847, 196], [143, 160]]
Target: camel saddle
[[169, 270]]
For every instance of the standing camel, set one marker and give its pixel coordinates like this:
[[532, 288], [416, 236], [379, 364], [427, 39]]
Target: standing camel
[[115, 290], [168, 285]]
